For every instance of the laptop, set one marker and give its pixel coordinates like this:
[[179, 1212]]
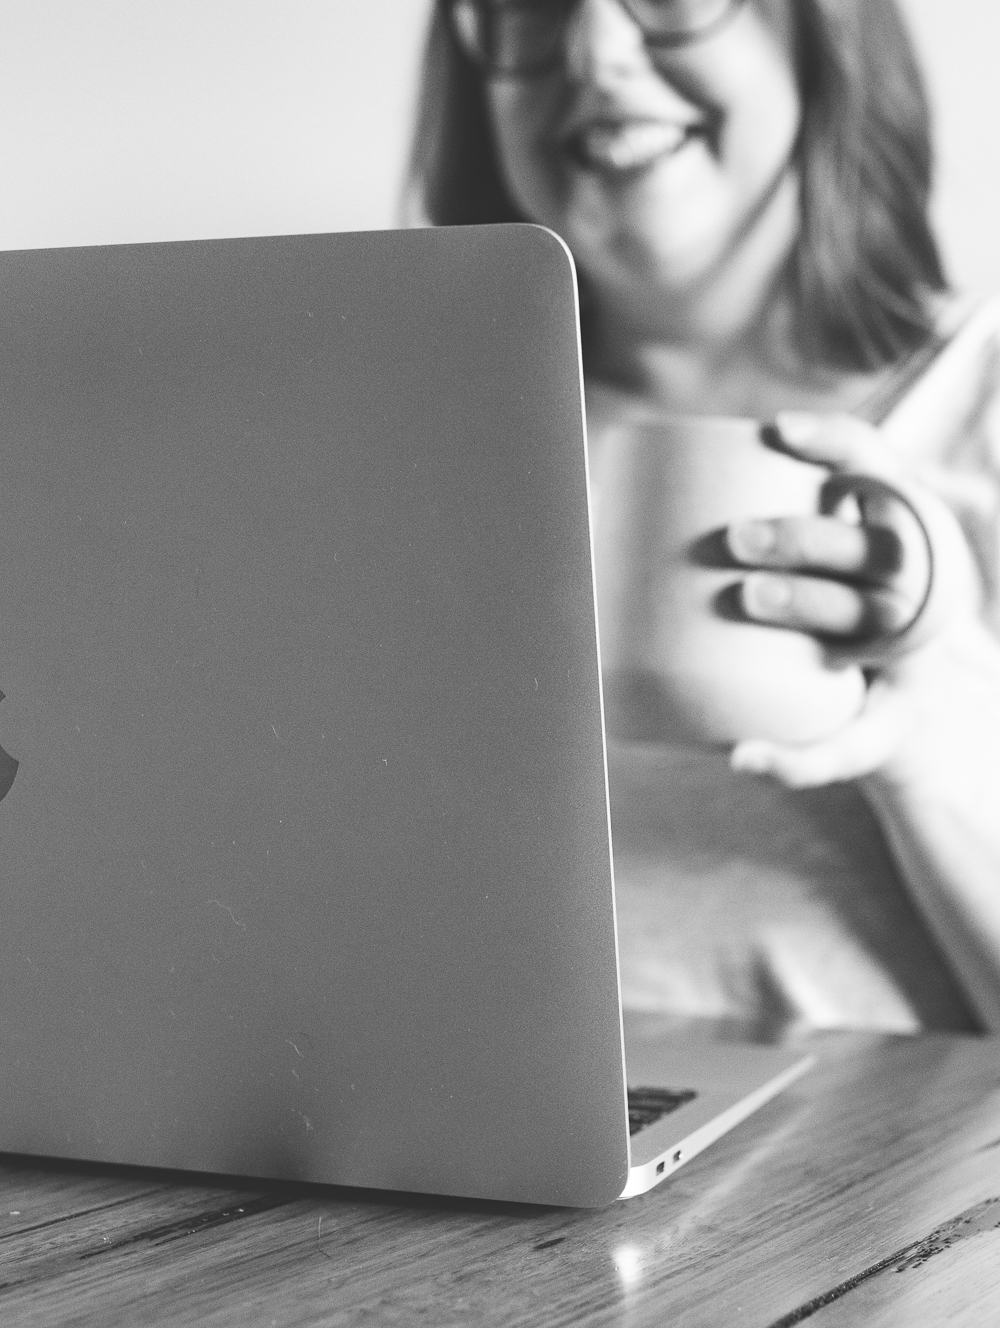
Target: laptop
[[304, 834]]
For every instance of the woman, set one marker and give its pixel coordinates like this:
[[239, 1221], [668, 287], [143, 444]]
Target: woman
[[744, 186]]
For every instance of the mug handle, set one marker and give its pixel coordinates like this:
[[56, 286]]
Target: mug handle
[[942, 596]]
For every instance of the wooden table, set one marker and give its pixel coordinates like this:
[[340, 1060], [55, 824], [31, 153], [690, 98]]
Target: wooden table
[[868, 1195]]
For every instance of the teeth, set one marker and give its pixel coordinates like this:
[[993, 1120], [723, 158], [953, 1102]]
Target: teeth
[[624, 147]]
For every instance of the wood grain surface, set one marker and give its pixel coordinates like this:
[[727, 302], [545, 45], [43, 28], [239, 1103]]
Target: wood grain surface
[[867, 1195]]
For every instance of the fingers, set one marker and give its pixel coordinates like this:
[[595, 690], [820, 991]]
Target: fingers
[[858, 573], [829, 577], [825, 608], [869, 554]]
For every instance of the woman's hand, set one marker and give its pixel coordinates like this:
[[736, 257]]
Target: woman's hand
[[882, 577]]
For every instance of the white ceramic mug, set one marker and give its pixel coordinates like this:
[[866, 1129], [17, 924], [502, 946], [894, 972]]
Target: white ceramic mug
[[679, 663]]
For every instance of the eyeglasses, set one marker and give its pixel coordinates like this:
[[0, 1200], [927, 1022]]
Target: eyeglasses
[[523, 38]]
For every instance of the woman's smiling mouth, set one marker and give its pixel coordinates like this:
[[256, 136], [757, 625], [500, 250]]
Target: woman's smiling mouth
[[625, 146]]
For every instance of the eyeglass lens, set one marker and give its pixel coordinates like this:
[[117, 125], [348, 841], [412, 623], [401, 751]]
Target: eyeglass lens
[[524, 36]]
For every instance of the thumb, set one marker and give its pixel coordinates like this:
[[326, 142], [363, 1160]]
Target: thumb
[[857, 749]]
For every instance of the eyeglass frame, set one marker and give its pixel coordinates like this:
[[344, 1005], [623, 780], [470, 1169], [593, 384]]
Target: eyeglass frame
[[671, 41]]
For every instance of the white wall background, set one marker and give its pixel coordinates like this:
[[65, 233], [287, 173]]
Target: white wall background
[[160, 119], [960, 42], [127, 120]]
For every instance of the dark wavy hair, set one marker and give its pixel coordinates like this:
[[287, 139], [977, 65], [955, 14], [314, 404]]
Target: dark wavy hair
[[865, 263]]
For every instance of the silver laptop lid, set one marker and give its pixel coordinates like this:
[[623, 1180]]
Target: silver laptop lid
[[305, 866]]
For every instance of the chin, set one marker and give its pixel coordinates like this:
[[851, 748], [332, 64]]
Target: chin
[[674, 265]]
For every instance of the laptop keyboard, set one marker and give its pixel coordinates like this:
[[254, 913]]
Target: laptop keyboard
[[648, 1105]]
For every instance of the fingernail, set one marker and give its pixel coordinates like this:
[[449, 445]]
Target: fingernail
[[797, 427], [765, 596], [751, 540]]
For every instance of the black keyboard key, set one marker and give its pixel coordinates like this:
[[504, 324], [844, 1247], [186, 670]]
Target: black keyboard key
[[647, 1105]]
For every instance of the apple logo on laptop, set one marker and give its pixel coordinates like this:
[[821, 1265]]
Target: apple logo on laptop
[[8, 769]]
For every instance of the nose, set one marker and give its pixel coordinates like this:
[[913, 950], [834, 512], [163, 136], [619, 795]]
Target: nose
[[602, 37]]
